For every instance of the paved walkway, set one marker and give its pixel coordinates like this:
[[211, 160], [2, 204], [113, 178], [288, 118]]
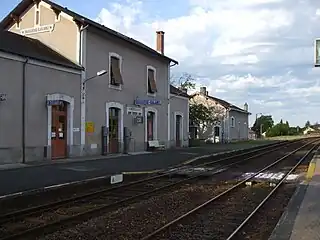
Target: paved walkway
[[301, 220], [25, 177]]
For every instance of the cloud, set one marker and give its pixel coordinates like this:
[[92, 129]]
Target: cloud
[[260, 52]]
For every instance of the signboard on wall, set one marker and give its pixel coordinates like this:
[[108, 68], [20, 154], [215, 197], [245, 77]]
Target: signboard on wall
[[147, 102], [54, 102], [38, 29], [89, 127], [317, 53]]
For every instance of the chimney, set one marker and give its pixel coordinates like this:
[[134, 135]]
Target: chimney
[[245, 107], [160, 42], [203, 91]]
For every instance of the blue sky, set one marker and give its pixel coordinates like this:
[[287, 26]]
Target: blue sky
[[260, 52]]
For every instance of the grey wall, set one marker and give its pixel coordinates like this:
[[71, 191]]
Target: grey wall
[[179, 104], [134, 73], [40, 81], [240, 130]]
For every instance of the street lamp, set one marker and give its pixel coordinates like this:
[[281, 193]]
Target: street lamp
[[98, 74]]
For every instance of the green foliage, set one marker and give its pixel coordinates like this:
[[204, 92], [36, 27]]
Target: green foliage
[[185, 81], [283, 129], [307, 124], [280, 129], [264, 122], [200, 114]]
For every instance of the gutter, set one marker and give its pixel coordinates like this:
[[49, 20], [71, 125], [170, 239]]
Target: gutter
[[23, 140]]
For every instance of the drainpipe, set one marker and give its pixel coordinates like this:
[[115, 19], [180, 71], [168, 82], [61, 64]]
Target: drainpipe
[[24, 110]]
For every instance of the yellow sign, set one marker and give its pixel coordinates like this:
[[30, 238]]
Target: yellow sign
[[89, 127]]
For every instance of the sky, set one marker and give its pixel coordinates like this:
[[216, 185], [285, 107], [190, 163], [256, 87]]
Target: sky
[[255, 51]]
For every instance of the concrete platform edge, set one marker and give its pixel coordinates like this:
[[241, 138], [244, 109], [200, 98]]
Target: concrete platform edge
[[283, 229]]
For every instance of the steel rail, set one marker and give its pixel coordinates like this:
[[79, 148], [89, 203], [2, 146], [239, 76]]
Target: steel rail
[[50, 206], [117, 203], [178, 219], [270, 194]]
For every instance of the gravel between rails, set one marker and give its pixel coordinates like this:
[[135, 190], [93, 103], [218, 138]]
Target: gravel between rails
[[137, 219], [260, 226], [219, 219]]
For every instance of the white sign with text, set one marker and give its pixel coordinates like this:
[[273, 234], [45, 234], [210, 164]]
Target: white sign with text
[[38, 29]]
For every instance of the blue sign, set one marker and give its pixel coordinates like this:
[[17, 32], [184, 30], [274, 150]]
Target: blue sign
[[54, 102], [147, 102]]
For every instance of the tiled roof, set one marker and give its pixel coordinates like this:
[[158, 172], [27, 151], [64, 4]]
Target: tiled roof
[[23, 6], [177, 91], [224, 103], [32, 48]]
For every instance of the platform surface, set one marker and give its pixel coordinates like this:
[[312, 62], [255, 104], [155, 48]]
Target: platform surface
[[301, 219], [30, 176]]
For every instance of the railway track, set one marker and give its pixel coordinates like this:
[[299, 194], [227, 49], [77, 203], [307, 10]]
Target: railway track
[[225, 215], [49, 217], [102, 184]]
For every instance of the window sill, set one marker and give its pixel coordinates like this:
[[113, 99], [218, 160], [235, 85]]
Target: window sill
[[151, 94], [119, 88]]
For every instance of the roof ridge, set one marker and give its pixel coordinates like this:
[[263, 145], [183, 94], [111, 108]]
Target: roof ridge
[[24, 4]]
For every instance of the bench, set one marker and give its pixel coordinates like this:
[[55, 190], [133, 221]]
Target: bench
[[154, 144]]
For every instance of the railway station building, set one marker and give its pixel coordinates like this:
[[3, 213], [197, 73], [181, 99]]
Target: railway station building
[[121, 98]]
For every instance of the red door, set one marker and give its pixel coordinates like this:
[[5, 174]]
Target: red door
[[114, 130], [59, 131]]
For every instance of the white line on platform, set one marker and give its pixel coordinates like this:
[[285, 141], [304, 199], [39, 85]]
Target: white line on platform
[[50, 187]]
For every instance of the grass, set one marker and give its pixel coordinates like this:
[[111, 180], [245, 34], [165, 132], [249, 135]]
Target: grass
[[287, 137]]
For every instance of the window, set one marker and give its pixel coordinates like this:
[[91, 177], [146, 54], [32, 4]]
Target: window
[[37, 17], [17, 23], [232, 122], [152, 87], [115, 72]]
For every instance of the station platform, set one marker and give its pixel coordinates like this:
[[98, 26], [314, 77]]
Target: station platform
[[301, 219], [21, 178]]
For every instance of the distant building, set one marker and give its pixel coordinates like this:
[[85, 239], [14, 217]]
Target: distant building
[[232, 121]]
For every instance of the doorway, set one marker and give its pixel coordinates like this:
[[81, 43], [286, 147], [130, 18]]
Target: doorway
[[216, 134], [178, 130], [150, 126], [114, 126], [59, 130]]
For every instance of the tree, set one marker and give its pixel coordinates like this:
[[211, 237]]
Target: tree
[[266, 121], [184, 81], [307, 124], [282, 129], [205, 115]]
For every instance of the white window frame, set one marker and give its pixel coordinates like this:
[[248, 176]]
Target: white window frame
[[233, 122], [149, 67], [113, 54], [37, 9]]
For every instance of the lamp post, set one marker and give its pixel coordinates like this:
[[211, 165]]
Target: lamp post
[[83, 105]]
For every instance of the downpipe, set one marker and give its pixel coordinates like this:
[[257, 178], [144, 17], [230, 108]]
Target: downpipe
[[23, 133]]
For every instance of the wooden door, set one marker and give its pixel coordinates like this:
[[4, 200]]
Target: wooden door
[[114, 130], [150, 120], [59, 131], [178, 131]]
